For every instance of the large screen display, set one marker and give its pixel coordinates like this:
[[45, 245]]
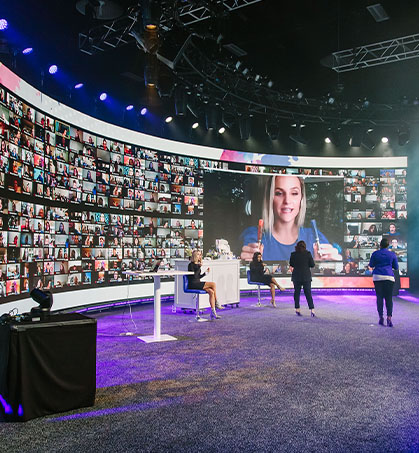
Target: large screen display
[[77, 209], [341, 214]]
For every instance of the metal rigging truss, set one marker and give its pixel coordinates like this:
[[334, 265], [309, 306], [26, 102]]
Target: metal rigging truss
[[384, 52], [118, 32], [218, 83]]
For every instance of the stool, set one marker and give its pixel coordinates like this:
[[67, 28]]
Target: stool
[[195, 292], [259, 284]]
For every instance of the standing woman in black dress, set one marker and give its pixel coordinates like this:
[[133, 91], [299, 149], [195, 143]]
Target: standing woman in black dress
[[195, 282], [300, 262], [257, 274]]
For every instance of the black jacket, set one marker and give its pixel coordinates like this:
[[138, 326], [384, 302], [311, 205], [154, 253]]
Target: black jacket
[[301, 262]]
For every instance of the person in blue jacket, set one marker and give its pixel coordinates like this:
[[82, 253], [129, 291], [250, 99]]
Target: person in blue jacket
[[283, 215], [383, 262]]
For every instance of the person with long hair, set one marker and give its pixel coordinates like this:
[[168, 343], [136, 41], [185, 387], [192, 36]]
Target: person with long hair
[[300, 262], [283, 215], [195, 282], [258, 274], [383, 262]]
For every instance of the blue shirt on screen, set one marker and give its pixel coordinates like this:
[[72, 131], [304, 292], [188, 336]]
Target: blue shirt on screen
[[274, 250], [383, 261]]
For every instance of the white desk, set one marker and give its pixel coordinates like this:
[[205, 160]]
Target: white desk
[[157, 336], [225, 274]]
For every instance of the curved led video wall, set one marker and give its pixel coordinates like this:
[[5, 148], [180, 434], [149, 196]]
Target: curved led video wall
[[81, 205]]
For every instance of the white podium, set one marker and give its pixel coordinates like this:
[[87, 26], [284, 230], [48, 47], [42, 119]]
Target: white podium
[[157, 335], [225, 274]]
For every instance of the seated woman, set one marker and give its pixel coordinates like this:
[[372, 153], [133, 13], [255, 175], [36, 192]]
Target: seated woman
[[195, 282], [258, 274]]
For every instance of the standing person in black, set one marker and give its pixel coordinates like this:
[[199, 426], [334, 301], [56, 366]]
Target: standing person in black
[[195, 282], [300, 262], [257, 274]]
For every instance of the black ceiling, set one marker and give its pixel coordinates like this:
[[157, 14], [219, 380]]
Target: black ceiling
[[284, 41]]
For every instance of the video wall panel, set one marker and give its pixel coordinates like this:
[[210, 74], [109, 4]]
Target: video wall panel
[[78, 209]]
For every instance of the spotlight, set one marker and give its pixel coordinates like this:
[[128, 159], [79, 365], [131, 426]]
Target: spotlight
[[44, 299], [257, 77], [3, 24], [403, 134], [272, 129], [244, 128], [300, 94], [330, 99], [365, 103], [211, 117], [143, 111], [103, 96], [238, 65], [77, 86], [384, 140], [297, 137], [270, 84], [27, 50], [180, 101], [53, 69], [245, 71], [169, 119], [129, 107], [150, 70], [221, 130], [195, 125], [151, 14], [327, 140]]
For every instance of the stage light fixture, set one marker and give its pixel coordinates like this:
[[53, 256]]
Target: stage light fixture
[[211, 117], [245, 71], [270, 84], [330, 99], [195, 125], [3, 24], [151, 70], [27, 50], [327, 140], [356, 137], [384, 139], [151, 12], [129, 107], [169, 119], [77, 86], [272, 129], [53, 69], [403, 134], [180, 101], [103, 96], [367, 141], [297, 137], [143, 111], [245, 127], [44, 299], [300, 94], [221, 130], [238, 65]]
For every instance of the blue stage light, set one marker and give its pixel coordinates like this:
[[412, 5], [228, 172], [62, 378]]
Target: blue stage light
[[3, 24], [144, 111], [129, 107], [103, 96], [27, 51], [53, 69], [78, 86]]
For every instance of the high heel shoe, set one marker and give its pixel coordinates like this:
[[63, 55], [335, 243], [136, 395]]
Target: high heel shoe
[[313, 315], [381, 321], [298, 313], [273, 303], [389, 323], [214, 315]]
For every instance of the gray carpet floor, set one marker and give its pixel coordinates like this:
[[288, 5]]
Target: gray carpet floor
[[257, 380]]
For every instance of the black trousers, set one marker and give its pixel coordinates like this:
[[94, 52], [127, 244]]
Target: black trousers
[[384, 290], [307, 292]]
